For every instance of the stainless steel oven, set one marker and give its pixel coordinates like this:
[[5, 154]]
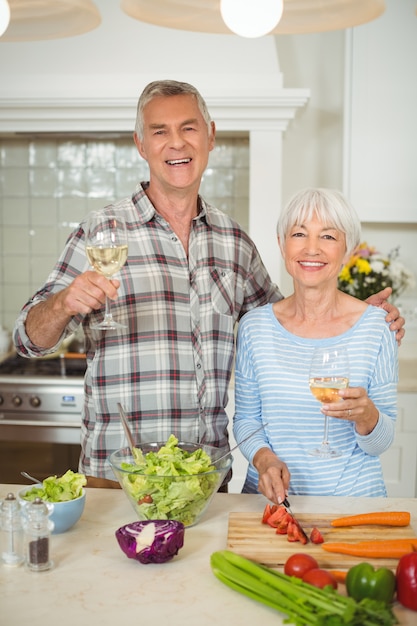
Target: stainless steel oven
[[40, 415]]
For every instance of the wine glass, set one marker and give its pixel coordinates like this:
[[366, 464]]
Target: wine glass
[[329, 372], [106, 249]]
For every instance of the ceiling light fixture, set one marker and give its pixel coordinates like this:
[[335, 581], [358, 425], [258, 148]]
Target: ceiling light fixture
[[4, 16], [33, 20], [251, 18], [299, 16]]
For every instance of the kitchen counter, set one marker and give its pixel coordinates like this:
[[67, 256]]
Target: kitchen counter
[[94, 582]]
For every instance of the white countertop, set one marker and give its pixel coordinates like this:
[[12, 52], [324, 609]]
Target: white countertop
[[94, 582]]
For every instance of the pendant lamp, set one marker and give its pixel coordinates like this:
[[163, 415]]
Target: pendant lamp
[[299, 16], [4, 16], [32, 20], [252, 18]]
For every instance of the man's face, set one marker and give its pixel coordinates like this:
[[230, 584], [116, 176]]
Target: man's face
[[176, 142]]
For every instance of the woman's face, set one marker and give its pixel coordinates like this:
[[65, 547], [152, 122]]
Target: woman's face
[[314, 252]]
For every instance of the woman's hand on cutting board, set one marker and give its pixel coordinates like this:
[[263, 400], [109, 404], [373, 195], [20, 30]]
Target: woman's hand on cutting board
[[274, 475]]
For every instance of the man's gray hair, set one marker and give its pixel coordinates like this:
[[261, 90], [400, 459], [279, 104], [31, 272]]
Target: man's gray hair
[[168, 88]]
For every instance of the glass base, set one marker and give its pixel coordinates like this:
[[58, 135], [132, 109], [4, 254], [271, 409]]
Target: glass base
[[107, 324], [325, 452]]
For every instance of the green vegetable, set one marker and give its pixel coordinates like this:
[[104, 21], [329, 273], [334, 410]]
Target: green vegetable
[[363, 581], [67, 487], [304, 604], [158, 495]]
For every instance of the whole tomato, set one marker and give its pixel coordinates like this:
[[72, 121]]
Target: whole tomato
[[406, 576], [320, 578], [298, 564]]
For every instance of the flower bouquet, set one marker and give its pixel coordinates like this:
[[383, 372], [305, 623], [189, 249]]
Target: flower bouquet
[[368, 272]]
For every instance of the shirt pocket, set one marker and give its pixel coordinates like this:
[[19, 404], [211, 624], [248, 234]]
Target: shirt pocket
[[222, 287]]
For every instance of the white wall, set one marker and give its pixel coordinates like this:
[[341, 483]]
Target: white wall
[[120, 56], [117, 59]]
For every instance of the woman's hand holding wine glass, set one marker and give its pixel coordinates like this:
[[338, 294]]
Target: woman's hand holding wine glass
[[329, 372], [106, 249]]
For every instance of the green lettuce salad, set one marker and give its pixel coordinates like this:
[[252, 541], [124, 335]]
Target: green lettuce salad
[[69, 486], [171, 483]]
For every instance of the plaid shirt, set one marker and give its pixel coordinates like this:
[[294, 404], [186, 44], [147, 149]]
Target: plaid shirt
[[171, 368]]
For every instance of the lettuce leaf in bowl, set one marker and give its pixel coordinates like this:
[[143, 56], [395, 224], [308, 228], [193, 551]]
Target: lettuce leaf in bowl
[[171, 483], [69, 486]]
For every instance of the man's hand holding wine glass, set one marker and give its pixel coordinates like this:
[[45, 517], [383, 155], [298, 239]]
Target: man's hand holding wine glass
[[87, 293]]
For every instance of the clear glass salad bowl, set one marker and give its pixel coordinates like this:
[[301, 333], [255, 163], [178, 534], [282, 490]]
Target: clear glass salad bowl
[[174, 481]]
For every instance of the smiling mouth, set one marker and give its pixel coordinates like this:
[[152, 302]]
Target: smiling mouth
[[178, 161], [312, 264]]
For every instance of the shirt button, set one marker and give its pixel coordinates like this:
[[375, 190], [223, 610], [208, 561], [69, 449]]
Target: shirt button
[[199, 366], [174, 238]]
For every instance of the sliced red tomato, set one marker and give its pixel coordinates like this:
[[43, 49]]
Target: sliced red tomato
[[293, 533], [316, 536], [268, 510], [277, 517], [301, 535], [146, 499], [282, 527]]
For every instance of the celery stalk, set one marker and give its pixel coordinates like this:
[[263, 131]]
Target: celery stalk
[[250, 585], [304, 604]]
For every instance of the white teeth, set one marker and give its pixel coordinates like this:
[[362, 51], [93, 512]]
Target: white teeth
[[178, 161], [311, 263]]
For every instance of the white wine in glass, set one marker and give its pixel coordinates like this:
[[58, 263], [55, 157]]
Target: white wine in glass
[[329, 372], [106, 249]]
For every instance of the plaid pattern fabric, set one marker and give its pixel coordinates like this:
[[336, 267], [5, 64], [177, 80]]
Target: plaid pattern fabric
[[171, 368]]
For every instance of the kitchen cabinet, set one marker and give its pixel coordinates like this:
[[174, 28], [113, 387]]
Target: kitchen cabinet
[[399, 462], [380, 121]]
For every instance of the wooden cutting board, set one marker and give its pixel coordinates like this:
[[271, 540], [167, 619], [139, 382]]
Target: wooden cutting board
[[259, 542]]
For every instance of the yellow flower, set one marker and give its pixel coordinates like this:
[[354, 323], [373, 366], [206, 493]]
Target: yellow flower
[[364, 267], [345, 274]]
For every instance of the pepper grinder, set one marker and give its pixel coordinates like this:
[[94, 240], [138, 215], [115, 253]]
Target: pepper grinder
[[12, 552], [38, 528]]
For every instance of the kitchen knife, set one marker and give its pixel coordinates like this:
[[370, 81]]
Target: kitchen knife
[[288, 507]]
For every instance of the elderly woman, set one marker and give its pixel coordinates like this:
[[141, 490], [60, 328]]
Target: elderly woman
[[317, 232]]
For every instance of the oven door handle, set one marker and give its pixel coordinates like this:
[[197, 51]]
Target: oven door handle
[[39, 423]]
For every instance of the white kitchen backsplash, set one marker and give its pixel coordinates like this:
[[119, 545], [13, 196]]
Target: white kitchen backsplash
[[48, 184]]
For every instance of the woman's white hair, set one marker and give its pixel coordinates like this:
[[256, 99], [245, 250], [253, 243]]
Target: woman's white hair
[[331, 208]]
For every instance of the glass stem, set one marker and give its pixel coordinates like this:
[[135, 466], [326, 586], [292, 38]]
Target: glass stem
[[107, 313], [326, 431]]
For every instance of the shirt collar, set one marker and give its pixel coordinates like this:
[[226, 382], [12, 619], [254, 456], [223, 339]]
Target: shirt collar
[[147, 212]]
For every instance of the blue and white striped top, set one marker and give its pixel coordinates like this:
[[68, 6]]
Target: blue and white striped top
[[272, 367]]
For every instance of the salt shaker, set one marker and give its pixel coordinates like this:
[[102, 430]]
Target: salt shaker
[[38, 528], [12, 552]]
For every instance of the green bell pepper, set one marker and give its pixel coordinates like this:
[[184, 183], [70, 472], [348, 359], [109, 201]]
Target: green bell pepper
[[363, 581]]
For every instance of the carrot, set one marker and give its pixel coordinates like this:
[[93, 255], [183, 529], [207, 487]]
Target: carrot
[[339, 574], [388, 549], [382, 518]]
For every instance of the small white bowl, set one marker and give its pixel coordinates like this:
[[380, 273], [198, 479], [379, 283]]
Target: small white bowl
[[64, 514]]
